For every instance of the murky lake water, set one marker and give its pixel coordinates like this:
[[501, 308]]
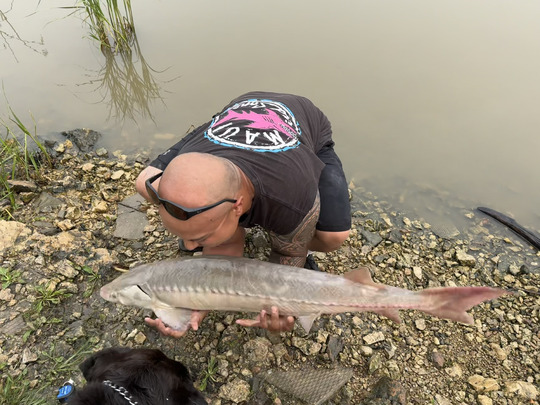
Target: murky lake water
[[428, 100]]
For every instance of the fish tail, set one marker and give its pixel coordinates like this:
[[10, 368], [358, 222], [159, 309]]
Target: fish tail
[[453, 302]]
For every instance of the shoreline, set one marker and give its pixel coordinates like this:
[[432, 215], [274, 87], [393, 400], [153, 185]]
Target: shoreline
[[80, 223]]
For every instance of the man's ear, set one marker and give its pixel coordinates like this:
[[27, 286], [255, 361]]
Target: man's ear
[[238, 206]]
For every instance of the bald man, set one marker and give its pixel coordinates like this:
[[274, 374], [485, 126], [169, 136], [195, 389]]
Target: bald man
[[266, 159]]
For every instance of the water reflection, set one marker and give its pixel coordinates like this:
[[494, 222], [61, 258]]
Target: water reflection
[[126, 81], [8, 33]]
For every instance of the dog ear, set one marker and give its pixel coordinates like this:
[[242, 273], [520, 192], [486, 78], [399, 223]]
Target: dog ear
[[87, 365]]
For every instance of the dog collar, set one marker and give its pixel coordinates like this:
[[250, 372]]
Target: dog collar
[[122, 391]]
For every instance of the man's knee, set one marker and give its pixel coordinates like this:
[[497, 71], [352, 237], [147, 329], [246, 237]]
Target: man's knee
[[332, 240]]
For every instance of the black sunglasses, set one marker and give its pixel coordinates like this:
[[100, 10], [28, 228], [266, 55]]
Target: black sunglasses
[[176, 210]]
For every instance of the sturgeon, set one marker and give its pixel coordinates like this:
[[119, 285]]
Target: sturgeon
[[173, 288]]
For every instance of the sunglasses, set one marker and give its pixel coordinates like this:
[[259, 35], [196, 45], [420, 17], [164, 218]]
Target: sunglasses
[[176, 210]]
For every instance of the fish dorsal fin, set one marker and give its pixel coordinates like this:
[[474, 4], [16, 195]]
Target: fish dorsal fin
[[362, 275]]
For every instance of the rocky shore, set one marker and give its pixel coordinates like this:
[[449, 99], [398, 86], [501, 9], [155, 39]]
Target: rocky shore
[[80, 224]]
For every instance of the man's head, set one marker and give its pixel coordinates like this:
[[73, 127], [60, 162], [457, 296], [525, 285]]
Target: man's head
[[195, 180]]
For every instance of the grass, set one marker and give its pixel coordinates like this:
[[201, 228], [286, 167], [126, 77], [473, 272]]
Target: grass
[[18, 391], [47, 296], [109, 25], [8, 277], [126, 78], [56, 368], [62, 366], [22, 156], [93, 279], [208, 374]]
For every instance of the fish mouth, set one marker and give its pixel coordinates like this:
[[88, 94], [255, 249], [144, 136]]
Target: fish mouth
[[104, 293]]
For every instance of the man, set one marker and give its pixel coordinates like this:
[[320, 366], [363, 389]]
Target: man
[[266, 159]]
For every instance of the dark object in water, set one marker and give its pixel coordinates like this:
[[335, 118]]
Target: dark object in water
[[513, 225]]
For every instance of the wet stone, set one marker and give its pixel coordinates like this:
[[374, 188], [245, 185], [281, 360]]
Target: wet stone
[[84, 138], [334, 347], [387, 391], [371, 238]]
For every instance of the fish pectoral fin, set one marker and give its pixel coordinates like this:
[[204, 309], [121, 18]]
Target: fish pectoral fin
[[307, 321], [176, 318], [362, 275]]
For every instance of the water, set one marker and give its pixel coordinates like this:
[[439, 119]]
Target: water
[[429, 101]]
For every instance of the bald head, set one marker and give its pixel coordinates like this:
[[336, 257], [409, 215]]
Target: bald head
[[198, 179]]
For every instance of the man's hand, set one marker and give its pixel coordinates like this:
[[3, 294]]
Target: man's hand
[[272, 322], [196, 319]]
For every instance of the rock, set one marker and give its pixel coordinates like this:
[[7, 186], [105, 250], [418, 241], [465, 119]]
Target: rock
[[375, 362], [236, 391], [484, 400], [140, 338], [88, 167], [417, 271], [334, 346], [371, 238], [522, 389], [6, 295], [130, 225], [22, 186], [10, 231], [438, 359], [102, 152], [100, 207], [420, 324], [373, 338], [84, 138], [498, 352], [465, 259], [482, 384], [46, 202], [29, 356], [257, 350], [307, 347], [440, 400], [454, 371], [75, 330], [117, 174], [386, 391]]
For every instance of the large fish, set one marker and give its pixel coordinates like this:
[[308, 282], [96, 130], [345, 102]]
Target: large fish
[[172, 289]]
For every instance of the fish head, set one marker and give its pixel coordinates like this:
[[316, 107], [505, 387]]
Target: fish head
[[129, 289], [127, 295]]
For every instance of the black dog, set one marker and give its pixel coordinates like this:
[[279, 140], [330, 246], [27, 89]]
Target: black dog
[[122, 376]]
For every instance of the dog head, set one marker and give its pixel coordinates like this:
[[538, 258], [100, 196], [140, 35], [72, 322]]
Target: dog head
[[122, 376]]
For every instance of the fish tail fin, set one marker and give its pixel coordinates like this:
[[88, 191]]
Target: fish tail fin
[[453, 302]]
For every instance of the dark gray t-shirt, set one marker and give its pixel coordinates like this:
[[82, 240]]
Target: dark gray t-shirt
[[273, 138]]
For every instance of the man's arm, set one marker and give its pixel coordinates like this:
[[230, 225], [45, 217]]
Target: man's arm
[[140, 185]]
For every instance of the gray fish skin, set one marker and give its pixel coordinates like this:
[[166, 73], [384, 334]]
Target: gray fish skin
[[175, 287]]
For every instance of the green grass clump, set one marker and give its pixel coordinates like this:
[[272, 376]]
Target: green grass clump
[[47, 296], [8, 277], [18, 391], [22, 156], [209, 374]]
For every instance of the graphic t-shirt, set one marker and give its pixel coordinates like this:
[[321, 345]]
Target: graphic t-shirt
[[273, 138]]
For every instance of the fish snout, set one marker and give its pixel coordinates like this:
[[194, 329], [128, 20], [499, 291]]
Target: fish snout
[[105, 293]]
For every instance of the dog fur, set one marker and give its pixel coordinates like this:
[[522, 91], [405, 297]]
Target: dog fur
[[150, 377]]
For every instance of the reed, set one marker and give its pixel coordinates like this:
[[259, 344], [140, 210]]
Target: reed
[[22, 156], [110, 23]]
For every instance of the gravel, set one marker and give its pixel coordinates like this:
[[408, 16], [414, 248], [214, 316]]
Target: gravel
[[67, 239]]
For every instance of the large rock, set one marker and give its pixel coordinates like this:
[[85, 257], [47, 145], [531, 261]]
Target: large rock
[[10, 231], [84, 138]]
